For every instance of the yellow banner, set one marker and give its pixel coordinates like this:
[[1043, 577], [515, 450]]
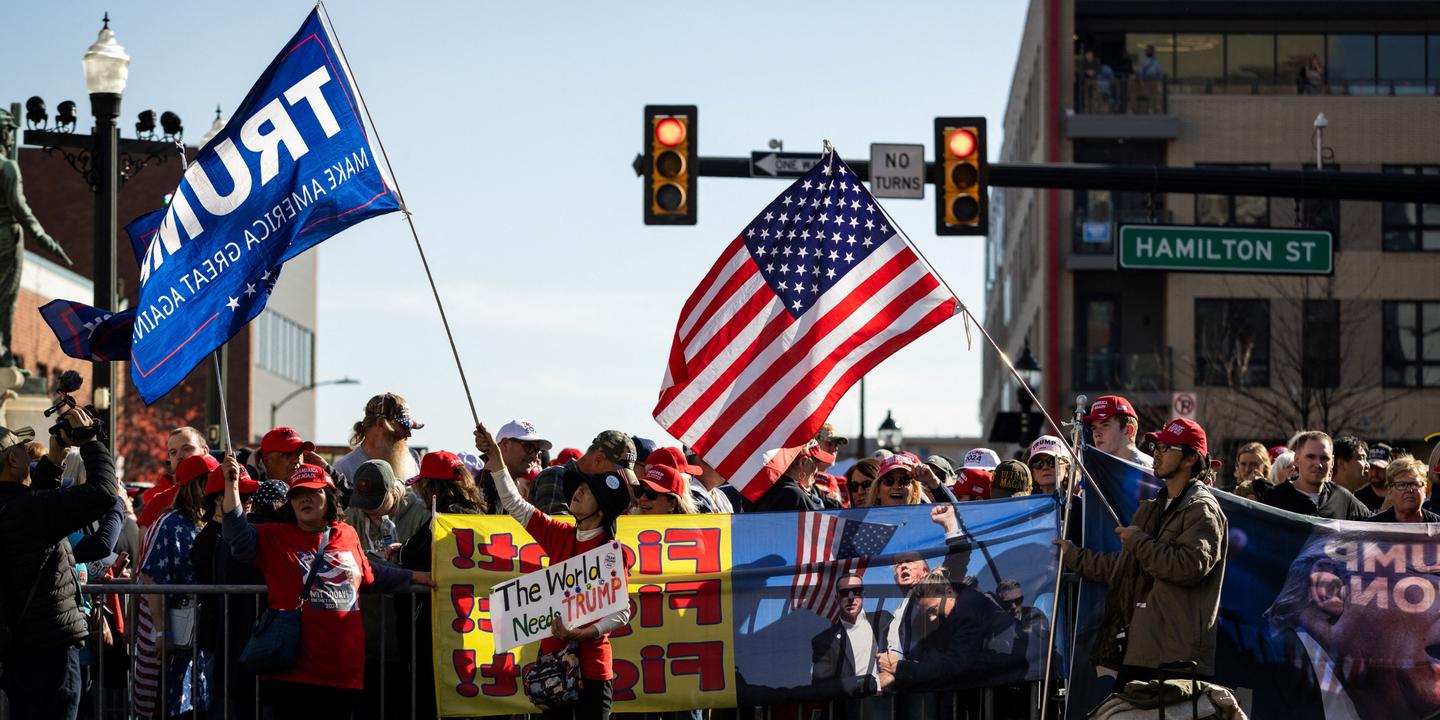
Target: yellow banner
[[678, 652]]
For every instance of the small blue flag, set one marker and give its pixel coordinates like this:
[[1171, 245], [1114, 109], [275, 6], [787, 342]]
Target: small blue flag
[[293, 167], [89, 333]]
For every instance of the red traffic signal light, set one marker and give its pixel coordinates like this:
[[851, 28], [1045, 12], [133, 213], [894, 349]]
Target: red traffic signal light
[[962, 204], [669, 164]]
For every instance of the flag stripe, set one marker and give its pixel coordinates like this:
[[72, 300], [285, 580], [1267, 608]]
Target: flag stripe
[[832, 329], [747, 467], [784, 348], [718, 375], [726, 266], [751, 293]]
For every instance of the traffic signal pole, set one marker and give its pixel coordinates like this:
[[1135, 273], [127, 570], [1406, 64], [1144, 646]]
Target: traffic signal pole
[[1307, 184]]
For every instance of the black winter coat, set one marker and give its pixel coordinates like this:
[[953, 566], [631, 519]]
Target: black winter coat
[[34, 523]]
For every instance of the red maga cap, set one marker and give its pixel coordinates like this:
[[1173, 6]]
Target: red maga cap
[[1108, 406], [1181, 432], [310, 477], [285, 440]]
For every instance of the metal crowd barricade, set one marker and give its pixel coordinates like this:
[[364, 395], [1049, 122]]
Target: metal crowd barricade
[[98, 704]]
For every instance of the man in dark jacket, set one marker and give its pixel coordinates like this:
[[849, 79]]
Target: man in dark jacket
[[1313, 492], [788, 494], [39, 590], [843, 657]]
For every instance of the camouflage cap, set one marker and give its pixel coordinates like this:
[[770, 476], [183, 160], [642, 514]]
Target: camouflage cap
[[616, 446], [827, 434], [18, 436]]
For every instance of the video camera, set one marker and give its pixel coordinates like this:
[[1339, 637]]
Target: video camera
[[69, 382]]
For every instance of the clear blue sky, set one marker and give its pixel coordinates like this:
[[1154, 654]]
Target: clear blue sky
[[511, 128]]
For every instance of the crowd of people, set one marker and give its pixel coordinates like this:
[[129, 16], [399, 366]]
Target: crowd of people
[[316, 534]]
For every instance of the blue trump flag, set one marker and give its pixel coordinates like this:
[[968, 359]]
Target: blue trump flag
[[89, 333], [293, 167]]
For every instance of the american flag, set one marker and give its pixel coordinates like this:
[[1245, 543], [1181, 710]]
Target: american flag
[[829, 548], [818, 289]]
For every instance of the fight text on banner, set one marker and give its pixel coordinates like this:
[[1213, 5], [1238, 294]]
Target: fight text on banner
[[292, 167], [579, 590]]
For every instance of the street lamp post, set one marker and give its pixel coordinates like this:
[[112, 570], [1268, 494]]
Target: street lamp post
[[107, 67], [1029, 370], [889, 435], [275, 406], [105, 161]]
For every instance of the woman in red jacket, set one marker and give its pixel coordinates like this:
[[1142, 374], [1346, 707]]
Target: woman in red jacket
[[596, 500], [329, 671]]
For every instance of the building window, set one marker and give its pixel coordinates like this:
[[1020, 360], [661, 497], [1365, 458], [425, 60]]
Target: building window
[[1232, 342], [1320, 340], [1401, 64], [1243, 210], [284, 348], [1351, 64], [1411, 343], [1249, 62], [1411, 226]]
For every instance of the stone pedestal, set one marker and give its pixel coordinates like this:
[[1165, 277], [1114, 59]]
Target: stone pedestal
[[23, 401]]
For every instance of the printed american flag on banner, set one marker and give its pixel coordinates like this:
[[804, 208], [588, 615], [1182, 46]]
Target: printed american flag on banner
[[829, 548], [818, 289]]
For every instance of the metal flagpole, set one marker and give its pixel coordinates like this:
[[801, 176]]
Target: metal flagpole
[[404, 208], [1068, 500], [224, 416]]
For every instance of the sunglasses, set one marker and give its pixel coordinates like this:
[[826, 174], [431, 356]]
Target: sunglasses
[[1013, 602], [843, 593], [1042, 462], [861, 486], [651, 495], [1405, 486], [893, 480]]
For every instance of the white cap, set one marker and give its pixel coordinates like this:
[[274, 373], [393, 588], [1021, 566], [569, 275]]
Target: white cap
[[522, 430], [983, 458], [1049, 445]]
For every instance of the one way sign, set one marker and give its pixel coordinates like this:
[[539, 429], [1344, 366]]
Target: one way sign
[[779, 164]]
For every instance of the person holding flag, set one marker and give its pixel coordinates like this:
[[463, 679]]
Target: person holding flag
[[1164, 584]]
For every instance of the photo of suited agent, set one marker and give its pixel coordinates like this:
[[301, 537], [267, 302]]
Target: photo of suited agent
[[1357, 621], [1031, 626], [844, 656]]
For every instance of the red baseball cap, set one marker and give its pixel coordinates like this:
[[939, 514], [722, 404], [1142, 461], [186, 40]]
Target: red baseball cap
[[438, 465], [195, 466], [1181, 432], [664, 479], [901, 461], [566, 455], [826, 480], [310, 477], [215, 481], [974, 482], [1108, 406], [285, 440], [1277, 451], [821, 454], [672, 457]]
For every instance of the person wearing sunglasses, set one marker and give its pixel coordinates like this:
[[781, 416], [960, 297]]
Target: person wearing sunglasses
[[663, 491], [612, 451], [1049, 460], [1163, 594], [897, 482], [1406, 493], [858, 481], [843, 658]]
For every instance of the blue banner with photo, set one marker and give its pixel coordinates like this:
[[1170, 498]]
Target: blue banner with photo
[[904, 600], [1318, 618], [293, 167]]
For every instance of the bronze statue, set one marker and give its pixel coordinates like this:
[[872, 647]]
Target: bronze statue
[[15, 218]]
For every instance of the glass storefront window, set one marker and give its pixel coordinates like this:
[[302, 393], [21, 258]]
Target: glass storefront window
[[1402, 64], [1351, 64], [1249, 61], [1199, 59], [1292, 54], [1164, 44]]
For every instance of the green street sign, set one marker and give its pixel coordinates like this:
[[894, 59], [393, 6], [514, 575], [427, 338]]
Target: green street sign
[[1226, 250]]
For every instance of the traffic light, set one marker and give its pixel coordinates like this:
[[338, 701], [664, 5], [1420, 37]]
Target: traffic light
[[962, 203], [671, 164]]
